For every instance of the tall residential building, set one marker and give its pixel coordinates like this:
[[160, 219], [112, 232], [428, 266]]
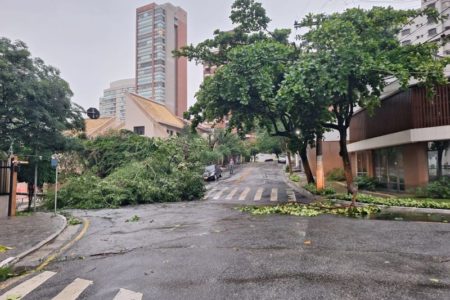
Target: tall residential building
[[112, 104], [423, 29], [160, 29]]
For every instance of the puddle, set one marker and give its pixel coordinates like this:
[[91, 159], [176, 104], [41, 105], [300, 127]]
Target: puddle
[[410, 216]]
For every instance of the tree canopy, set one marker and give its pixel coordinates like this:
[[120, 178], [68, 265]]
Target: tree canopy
[[35, 106]]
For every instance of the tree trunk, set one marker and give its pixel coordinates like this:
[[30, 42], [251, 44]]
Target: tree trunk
[[320, 177], [351, 188], [306, 166], [289, 162]]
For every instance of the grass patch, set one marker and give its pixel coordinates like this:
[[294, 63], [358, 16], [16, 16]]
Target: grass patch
[[294, 178], [311, 187], [310, 210], [406, 202], [6, 273]]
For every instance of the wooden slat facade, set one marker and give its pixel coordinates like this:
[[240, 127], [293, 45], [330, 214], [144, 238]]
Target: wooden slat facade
[[405, 110]]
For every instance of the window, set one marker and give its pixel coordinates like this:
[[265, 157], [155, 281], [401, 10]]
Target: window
[[139, 130], [170, 132], [406, 32], [430, 20], [407, 42], [431, 5], [432, 32]]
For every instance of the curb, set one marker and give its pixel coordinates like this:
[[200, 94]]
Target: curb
[[13, 260], [300, 190]]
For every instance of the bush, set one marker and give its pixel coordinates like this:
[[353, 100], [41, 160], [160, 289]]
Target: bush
[[366, 183], [439, 189], [311, 187], [294, 178], [336, 174]]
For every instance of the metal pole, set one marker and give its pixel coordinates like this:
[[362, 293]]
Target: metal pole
[[56, 188], [35, 185]]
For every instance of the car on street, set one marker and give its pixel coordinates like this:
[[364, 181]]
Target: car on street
[[212, 172], [282, 159]]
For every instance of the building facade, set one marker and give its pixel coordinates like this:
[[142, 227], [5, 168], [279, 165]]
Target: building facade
[[160, 29], [405, 142], [112, 104], [423, 29]]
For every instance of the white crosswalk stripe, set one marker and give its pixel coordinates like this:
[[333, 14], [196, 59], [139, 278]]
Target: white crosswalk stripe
[[244, 194], [274, 195], [291, 195], [258, 194], [231, 194], [73, 290], [217, 196], [28, 286], [124, 294]]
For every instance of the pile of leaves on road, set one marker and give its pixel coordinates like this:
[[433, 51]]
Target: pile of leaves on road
[[406, 202], [311, 210]]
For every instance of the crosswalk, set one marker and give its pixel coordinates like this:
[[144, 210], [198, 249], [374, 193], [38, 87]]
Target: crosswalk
[[71, 292], [257, 194]]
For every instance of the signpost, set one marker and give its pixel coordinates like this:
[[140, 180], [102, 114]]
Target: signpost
[[54, 163]]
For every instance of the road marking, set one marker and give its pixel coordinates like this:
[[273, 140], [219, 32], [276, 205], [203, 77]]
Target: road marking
[[73, 290], [274, 195], [28, 286], [230, 196], [291, 196], [220, 193], [124, 294], [209, 193], [258, 194], [244, 194]]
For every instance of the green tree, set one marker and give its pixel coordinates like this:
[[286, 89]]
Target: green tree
[[356, 52], [35, 110]]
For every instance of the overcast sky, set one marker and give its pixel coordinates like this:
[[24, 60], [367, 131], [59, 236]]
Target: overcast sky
[[92, 41]]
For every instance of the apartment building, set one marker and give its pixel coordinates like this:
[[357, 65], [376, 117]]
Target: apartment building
[[405, 142], [423, 29], [112, 104], [160, 29]]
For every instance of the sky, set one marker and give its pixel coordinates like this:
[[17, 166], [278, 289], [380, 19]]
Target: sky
[[92, 42]]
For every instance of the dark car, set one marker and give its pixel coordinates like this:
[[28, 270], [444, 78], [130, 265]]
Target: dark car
[[212, 172]]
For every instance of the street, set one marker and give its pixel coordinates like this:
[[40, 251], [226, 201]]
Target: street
[[209, 250]]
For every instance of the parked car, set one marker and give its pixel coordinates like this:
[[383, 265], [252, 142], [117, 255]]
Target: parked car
[[212, 172], [282, 159]]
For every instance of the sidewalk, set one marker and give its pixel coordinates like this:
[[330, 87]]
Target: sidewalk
[[24, 234]]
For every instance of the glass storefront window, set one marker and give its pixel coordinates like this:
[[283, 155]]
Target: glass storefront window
[[389, 168], [438, 159]]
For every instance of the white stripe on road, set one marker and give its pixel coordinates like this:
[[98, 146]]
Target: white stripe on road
[[209, 194], [291, 196], [124, 294], [230, 196], [73, 290], [220, 193], [28, 286], [258, 194], [274, 195], [244, 194]]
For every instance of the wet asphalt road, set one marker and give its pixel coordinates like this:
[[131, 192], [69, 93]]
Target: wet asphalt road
[[209, 250]]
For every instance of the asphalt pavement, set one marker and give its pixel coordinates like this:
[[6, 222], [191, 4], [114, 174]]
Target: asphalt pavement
[[209, 250]]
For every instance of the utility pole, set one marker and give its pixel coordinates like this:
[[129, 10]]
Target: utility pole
[[54, 164]]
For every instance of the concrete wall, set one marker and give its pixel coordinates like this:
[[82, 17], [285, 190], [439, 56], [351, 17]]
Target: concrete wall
[[137, 117], [4, 206]]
